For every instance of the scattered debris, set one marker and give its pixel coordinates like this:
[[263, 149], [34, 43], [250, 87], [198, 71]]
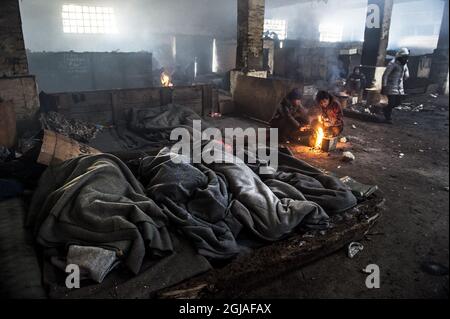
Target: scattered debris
[[364, 109], [343, 140], [434, 269], [75, 129], [354, 249], [348, 157], [354, 126], [28, 143], [216, 115], [410, 107], [401, 155], [434, 96]]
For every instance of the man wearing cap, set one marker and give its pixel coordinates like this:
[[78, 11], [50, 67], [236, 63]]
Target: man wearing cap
[[291, 115], [394, 77]]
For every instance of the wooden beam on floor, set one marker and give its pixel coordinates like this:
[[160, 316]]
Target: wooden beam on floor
[[248, 272]]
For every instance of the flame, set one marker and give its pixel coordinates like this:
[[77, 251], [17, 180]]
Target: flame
[[319, 138], [320, 135], [165, 80]]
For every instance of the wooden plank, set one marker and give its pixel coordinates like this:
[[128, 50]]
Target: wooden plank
[[140, 98], [268, 263], [84, 102], [108, 106], [57, 148], [191, 97], [260, 98]]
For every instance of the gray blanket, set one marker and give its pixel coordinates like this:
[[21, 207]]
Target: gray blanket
[[96, 201], [151, 127], [214, 204]]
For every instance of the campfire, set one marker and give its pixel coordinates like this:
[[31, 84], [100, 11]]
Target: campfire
[[315, 137], [166, 81], [319, 134]]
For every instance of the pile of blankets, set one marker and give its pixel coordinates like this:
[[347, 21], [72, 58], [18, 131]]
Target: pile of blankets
[[218, 208]]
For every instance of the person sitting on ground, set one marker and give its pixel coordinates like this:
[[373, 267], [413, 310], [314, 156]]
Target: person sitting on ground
[[331, 112], [396, 74], [291, 115]]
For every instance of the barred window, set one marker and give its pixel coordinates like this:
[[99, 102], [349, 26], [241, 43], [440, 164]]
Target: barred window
[[88, 19]]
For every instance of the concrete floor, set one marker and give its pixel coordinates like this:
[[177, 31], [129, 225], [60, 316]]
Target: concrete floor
[[415, 227]]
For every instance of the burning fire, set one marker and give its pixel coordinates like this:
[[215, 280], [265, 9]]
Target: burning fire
[[165, 80], [319, 138], [320, 134]]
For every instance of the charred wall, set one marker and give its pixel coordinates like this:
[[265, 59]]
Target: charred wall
[[72, 71], [13, 59]]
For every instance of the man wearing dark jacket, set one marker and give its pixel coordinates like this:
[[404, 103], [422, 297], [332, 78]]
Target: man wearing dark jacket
[[394, 77], [291, 115], [356, 83]]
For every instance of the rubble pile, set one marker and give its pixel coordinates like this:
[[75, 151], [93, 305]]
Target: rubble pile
[[75, 129], [410, 107], [364, 109]]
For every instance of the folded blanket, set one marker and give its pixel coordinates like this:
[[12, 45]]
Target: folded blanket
[[94, 262]]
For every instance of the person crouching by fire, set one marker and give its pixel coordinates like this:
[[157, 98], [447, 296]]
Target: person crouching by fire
[[332, 116], [291, 116]]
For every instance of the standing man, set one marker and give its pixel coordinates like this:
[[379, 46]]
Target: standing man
[[394, 77]]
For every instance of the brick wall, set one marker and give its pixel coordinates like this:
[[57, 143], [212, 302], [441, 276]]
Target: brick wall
[[250, 34], [13, 58]]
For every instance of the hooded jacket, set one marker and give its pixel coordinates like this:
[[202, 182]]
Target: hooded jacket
[[394, 78]]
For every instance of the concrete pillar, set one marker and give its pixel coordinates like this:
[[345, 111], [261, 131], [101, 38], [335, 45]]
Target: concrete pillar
[[250, 35], [16, 86], [13, 58], [376, 37], [440, 65]]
